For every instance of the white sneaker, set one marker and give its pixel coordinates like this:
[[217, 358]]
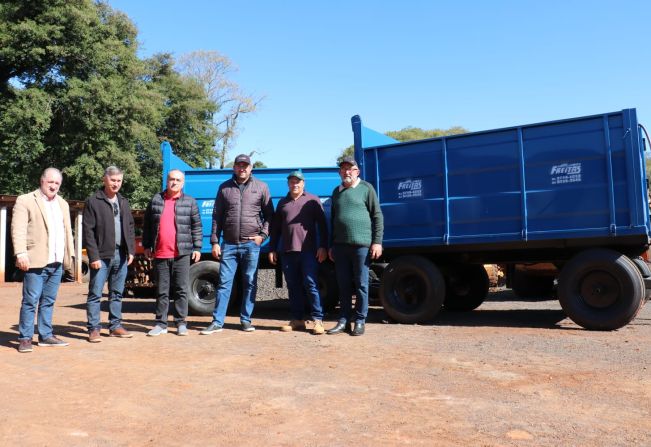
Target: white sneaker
[[157, 330]]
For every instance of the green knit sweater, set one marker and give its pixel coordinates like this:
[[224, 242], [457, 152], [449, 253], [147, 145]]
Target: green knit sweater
[[356, 216]]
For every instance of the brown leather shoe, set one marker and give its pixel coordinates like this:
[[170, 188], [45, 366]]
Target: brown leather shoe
[[94, 336], [121, 332], [25, 346]]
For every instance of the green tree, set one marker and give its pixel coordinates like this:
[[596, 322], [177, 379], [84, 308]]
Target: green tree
[[409, 134], [186, 115], [416, 133], [211, 69], [75, 95]]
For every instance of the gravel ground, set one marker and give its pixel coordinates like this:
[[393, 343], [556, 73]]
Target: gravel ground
[[267, 286], [511, 373]]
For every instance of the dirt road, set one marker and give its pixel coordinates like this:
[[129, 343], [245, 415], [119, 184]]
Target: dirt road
[[511, 373]]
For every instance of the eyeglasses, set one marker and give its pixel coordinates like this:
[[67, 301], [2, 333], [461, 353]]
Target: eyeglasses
[[116, 210]]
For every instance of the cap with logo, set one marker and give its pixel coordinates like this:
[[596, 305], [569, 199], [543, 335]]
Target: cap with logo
[[242, 158], [350, 160], [298, 174]]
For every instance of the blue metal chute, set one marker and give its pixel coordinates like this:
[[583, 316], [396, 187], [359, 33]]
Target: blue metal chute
[[171, 161], [364, 138]]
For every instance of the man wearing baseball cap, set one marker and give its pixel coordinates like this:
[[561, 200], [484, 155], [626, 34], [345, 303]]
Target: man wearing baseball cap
[[357, 230], [299, 231], [241, 216]]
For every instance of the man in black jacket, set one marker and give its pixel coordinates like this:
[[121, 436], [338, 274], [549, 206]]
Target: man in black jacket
[[172, 234], [109, 238], [242, 213]]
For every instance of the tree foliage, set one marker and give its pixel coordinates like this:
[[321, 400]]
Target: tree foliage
[[416, 133], [211, 69], [75, 95], [409, 134]]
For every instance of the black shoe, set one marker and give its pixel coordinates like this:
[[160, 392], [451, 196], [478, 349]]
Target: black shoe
[[358, 329], [338, 329], [53, 342], [246, 326]]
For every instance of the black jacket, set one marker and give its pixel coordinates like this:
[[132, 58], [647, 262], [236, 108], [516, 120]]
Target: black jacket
[[189, 232], [240, 214], [99, 227]]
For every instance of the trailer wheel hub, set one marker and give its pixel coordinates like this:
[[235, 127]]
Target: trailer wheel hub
[[205, 290], [600, 289]]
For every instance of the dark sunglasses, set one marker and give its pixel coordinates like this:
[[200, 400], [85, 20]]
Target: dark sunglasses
[[116, 210]]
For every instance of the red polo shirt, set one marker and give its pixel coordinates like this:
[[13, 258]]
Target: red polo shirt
[[166, 247]]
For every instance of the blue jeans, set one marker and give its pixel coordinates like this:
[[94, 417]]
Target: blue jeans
[[246, 256], [351, 266], [115, 270], [301, 271], [40, 287]]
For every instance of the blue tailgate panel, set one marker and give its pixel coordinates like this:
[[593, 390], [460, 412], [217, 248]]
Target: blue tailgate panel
[[581, 177]]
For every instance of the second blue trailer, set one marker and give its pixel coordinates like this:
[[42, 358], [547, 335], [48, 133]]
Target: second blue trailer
[[562, 201]]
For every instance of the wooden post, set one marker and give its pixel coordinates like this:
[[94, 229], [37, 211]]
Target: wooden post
[[78, 239], [3, 242]]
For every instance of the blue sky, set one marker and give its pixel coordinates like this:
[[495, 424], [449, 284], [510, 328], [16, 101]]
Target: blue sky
[[429, 64]]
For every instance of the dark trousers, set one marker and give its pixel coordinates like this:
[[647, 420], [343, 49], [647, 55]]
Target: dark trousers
[[351, 265], [301, 271], [173, 276]]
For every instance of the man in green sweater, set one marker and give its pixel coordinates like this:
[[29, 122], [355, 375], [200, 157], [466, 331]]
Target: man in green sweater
[[357, 227]]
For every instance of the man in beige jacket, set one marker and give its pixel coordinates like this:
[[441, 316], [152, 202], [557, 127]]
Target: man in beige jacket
[[42, 238]]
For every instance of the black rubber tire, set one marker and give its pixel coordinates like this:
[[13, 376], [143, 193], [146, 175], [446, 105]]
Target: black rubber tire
[[530, 286], [412, 290], [373, 288], [85, 269], [204, 280], [601, 289], [328, 288], [466, 287], [645, 271]]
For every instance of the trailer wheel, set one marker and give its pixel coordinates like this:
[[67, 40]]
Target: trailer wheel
[[328, 288], [466, 288], [530, 286], [601, 289], [412, 289], [85, 269], [204, 280], [373, 288]]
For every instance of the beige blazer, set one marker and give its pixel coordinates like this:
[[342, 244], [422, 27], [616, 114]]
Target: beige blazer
[[29, 230]]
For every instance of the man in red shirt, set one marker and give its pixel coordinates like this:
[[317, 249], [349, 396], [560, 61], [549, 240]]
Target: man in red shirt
[[172, 235]]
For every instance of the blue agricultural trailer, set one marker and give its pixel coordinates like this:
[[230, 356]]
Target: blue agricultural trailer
[[202, 184], [563, 201]]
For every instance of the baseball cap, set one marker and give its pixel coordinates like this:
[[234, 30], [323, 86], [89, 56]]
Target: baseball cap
[[350, 160], [298, 174], [242, 158]]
